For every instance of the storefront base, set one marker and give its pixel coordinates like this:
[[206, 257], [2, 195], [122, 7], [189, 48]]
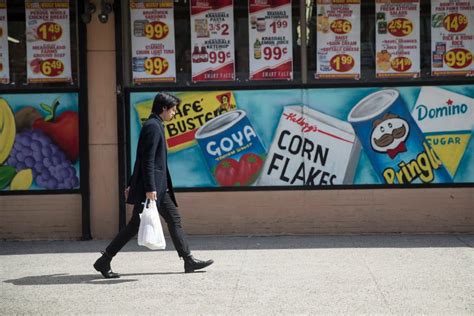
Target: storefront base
[[380, 211], [40, 217]]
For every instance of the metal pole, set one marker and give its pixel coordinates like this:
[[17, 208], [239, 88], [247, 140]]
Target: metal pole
[[304, 63]]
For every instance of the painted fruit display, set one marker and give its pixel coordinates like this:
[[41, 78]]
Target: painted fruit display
[[7, 130], [22, 180]]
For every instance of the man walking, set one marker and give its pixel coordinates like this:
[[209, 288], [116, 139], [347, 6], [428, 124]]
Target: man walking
[[151, 179]]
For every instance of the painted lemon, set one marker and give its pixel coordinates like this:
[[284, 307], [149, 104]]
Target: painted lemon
[[22, 180], [7, 130]]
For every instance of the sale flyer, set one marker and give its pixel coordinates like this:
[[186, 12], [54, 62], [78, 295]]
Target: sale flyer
[[397, 38], [452, 38], [153, 41], [212, 40], [270, 40], [338, 39], [4, 62], [48, 43]]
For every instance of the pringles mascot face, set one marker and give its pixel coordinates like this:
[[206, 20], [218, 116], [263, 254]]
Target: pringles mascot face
[[389, 135]]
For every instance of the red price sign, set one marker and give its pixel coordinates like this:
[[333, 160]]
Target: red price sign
[[156, 30], [400, 27], [341, 26], [156, 66], [49, 31], [342, 62], [278, 24], [51, 67], [217, 27], [275, 53], [458, 58], [401, 64], [218, 57], [455, 22]]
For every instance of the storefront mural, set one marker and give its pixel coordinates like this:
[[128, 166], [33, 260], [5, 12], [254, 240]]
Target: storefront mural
[[39, 141], [313, 137]]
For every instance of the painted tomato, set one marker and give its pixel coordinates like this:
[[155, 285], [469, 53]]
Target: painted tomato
[[250, 165], [226, 172]]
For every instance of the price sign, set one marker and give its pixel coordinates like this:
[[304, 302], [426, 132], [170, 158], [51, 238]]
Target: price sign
[[48, 41], [156, 66], [341, 26], [342, 63], [4, 58], [212, 40], [153, 42], [156, 30], [397, 38], [338, 39], [51, 67], [455, 22], [270, 40], [452, 38], [401, 64], [50, 31], [400, 27], [458, 58]]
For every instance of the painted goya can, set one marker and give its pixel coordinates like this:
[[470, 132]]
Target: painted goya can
[[393, 142], [232, 149]]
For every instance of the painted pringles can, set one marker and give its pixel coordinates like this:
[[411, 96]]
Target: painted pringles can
[[232, 150], [393, 142]]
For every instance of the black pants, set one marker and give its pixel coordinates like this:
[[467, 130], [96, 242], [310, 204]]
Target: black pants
[[169, 212]]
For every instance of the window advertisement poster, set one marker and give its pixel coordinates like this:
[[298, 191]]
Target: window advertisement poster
[[153, 41], [270, 40], [48, 43], [212, 40], [416, 135], [4, 61], [39, 141], [397, 38], [338, 39], [452, 38]]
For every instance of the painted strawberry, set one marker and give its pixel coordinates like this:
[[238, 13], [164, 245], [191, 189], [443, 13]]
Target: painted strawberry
[[250, 165], [226, 172], [63, 130]]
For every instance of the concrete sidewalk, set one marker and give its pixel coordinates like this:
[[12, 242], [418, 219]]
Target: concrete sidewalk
[[251, 276]]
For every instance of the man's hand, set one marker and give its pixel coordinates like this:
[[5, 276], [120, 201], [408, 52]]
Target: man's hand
[[151, 195], [126, 192]]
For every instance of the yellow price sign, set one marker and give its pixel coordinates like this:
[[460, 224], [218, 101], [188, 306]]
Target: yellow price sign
[[342, 62], [458, 58], [455, 22], [401, 64], [341, 26], [156, 30], [51, 67], [156, 66], [49, 31], [400, 27]]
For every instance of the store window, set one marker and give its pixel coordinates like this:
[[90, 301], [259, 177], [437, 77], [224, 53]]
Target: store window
[[374, 92], [39, 98]]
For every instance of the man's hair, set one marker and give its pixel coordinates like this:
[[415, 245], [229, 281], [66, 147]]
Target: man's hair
[[164, 101]]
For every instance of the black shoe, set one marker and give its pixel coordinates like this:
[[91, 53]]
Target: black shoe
[[191, 264], [103, 266]]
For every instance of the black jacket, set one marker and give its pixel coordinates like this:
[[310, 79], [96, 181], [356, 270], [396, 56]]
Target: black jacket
[[150, 172]]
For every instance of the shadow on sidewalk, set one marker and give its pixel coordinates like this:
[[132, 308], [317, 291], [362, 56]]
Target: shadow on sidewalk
[[64, 278], [209, 243]]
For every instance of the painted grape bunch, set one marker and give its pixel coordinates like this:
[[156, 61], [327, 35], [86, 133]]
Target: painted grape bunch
[[51, 169]]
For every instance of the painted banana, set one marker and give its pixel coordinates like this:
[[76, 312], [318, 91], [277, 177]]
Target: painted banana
[[7, 130]]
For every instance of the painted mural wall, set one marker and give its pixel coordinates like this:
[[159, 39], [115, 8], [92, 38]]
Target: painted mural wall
[[314, 137], [39, 141]]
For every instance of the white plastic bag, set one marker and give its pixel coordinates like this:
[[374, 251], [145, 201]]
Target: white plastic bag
[[150, 232]]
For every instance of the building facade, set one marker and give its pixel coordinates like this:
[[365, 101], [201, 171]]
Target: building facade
[[297, 117]]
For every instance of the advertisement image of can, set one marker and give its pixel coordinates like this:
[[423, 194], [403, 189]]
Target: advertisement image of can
[[232, 150], [393, 142]]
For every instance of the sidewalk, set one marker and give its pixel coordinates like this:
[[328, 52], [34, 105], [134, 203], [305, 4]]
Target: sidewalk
[[400, 274]]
